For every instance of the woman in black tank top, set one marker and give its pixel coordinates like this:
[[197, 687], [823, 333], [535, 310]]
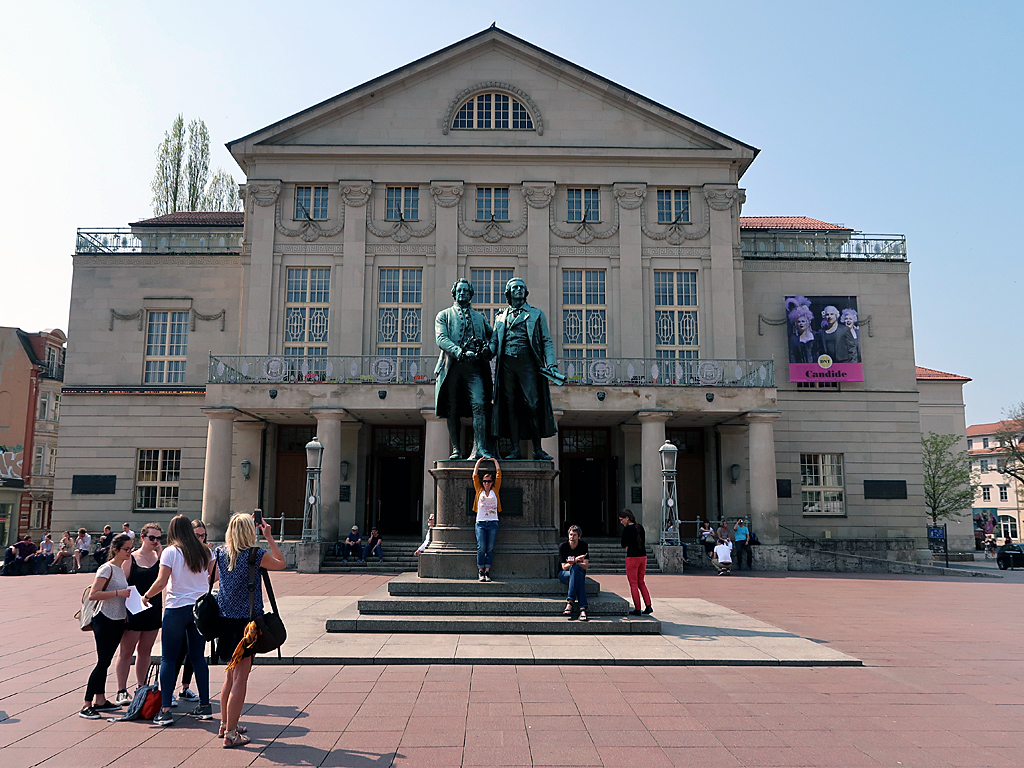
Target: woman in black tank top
[[142, 628]]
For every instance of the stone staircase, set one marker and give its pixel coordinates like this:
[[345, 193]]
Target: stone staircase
[[399, 557], [608, 556]]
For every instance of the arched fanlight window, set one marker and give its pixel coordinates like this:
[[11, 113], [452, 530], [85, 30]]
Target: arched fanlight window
[[493, 111]]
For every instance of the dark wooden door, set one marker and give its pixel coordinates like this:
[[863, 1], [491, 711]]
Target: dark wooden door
[[290, 491]]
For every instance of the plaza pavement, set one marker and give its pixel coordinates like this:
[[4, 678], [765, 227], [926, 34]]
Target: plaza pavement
[[940, 685]]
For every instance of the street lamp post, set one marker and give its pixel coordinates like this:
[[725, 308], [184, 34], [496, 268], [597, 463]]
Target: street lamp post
[[311, 510], [669, 499]]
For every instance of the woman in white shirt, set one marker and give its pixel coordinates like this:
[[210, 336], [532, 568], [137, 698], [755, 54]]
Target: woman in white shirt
[[185, 567], [487, 505]]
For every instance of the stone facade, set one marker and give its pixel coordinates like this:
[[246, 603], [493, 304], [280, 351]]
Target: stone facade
[[362, 211]]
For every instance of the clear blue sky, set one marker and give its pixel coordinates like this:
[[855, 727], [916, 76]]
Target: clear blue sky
[[888, 117]]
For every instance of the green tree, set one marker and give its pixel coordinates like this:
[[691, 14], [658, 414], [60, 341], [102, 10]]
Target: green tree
[[1010, 444], [950, 484], [182, 181]]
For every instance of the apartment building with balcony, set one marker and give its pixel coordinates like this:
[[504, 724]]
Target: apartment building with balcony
[[207, 349], [997, 505], [31, 372]]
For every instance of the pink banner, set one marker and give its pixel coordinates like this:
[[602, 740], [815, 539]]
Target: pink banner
[[835, 372]]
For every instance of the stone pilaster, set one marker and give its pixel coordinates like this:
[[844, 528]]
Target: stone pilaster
[[764, 500], [350, 453], [328, 432], [435, 448], [652, 437], [217, 476], [354, 196], [539, 195], [723, 201], [261, 198], [245, 494], [629, 287], [447, 197]]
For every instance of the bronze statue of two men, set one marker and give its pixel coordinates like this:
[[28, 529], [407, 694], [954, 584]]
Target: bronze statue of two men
[[517, 404]]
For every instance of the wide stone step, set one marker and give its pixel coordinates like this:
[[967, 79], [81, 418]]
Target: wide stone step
[[411, 584], [350, 620], [380, 603]]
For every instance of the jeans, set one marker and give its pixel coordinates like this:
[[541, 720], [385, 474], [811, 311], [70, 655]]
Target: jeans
[[740, 550], [576, 578], [180, 627], [486, 533], [377, 551], [107, 633], [352, 548]]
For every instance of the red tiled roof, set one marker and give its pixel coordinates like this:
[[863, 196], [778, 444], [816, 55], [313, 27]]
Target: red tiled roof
[[194, 219], [930, 374], [987, 429], [803, 223]]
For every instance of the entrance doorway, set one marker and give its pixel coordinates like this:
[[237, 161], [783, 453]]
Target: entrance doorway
[[290, 478], [690, 484], [396, 503], [588, 481]]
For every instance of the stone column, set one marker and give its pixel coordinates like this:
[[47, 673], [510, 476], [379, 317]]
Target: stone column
[[354, 195], [248, 447], [630, 273], [539, 195], [435, 448], [550, 444], [328, 431], [734, 495], [723, 204], [652, 437], [260, 201], [349, 453], [447, 196], [217, 477], [764, 500]]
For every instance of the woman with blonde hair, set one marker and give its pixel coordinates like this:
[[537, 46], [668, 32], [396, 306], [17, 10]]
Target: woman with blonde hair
[[238, 563], [184, 569], [141, 569]]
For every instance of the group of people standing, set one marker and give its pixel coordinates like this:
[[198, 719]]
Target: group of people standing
[[170, 579], [724, 547]]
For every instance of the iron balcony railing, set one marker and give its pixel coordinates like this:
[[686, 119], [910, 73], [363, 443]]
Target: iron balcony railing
[[126, 241], [52, 370], [813, 245], [419, 369]]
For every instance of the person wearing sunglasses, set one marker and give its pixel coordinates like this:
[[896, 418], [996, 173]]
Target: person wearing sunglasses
[[487, 505], [141, 569]]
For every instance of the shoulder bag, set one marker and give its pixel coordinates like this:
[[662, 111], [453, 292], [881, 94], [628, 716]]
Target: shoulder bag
[[89, 608], [206, 612], [272, 631]]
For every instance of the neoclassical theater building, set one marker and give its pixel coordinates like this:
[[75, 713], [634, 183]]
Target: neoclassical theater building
[[206, 349]]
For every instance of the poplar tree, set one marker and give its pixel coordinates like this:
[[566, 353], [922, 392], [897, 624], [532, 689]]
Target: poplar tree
[[182, 181]]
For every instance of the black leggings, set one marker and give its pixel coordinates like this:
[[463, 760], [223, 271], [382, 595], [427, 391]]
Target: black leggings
[[183, 659], [107, 633]]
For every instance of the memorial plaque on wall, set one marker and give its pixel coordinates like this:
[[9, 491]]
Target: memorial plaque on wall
[[511, 502], [345, 493], [783, 488], [885, 489], [93, 484], [636, 494]]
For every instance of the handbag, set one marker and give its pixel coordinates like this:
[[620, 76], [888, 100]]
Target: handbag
[[272, 631], [146, 701], [89, 608], [206, 612]]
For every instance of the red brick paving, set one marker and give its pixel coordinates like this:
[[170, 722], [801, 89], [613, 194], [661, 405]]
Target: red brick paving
[[941, 686]]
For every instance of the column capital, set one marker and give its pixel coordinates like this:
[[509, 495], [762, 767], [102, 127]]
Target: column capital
[[629, 195], [355, 193], [446, 193], [222, 414], [429, 414], [762, 417], [539, 194], [722, 197], [250, 426], [653, 417], [331, 414], [261, 192]]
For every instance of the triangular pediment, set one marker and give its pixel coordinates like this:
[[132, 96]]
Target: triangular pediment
[[414, 105]]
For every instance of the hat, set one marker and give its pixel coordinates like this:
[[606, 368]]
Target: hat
[[355, 527]]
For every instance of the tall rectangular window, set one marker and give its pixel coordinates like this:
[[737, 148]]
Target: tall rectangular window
[[984, 465], [166, 347], [156, 479], [311, 202], [673, 206], [676, 335], [583, 202], [40, 518], [489, 290], [492, 201], [307, 307], [986, 493], [402, 203], [38, 457], [1008, 527], [821, 483], [400, 316], [43, 414], [584, 315], [1004, 493]]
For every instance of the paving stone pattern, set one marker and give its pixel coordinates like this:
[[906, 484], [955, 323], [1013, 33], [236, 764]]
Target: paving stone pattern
[[941, 685]]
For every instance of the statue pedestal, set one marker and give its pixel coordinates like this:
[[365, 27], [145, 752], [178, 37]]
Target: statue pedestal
[[527, 543]]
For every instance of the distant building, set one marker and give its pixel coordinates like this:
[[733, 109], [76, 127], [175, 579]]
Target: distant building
[[31, 372], [208, 349], [997, 506]]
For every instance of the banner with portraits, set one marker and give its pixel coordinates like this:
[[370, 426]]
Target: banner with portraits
[[824, 338]]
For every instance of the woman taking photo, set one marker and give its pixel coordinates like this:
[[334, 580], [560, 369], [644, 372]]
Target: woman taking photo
[[141, 569], [110, 588], [184, 570], [234, 561], [487, 505], [635, 542]]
